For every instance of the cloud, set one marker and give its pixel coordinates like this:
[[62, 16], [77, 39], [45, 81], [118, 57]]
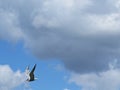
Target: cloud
[[107, 80], [9, 29], [10, 79], [66, 89], [82, 34]]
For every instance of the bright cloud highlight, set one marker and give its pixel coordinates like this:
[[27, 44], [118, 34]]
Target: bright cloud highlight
[[10, 79]]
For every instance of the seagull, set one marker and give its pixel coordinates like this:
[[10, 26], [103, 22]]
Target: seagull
[[30, 74]]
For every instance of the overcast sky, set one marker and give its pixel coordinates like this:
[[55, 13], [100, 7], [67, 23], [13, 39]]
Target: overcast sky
[[82, 34]]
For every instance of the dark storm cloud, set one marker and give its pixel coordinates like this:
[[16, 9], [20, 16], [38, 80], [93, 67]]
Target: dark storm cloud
[[84, 38]]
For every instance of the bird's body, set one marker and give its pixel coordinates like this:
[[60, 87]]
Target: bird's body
[[31, 76]]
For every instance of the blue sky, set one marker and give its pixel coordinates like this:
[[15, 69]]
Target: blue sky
[[75, 44], [49, 77]]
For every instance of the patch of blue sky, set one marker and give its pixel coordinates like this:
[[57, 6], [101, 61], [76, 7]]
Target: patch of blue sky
[[17, 57]]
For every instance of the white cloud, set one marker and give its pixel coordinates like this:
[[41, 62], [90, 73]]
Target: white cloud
[[107, 80], [10, 79], [66, 89], [84, 34], [81, 33], [104, 23], [115, 3], [55, 13], [9, 26]]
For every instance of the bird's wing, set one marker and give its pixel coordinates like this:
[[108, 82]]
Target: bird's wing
[[33, 69], [27, 71], [32, 73]]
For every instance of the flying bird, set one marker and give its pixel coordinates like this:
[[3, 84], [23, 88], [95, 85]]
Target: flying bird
[[31, 76]]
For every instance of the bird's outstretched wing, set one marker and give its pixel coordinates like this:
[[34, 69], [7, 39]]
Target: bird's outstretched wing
[[27, 71], [32, 73]]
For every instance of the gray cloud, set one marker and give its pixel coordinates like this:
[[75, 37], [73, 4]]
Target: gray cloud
[[83, 34]]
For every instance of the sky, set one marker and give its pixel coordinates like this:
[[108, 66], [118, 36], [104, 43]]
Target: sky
[[74, 43]]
